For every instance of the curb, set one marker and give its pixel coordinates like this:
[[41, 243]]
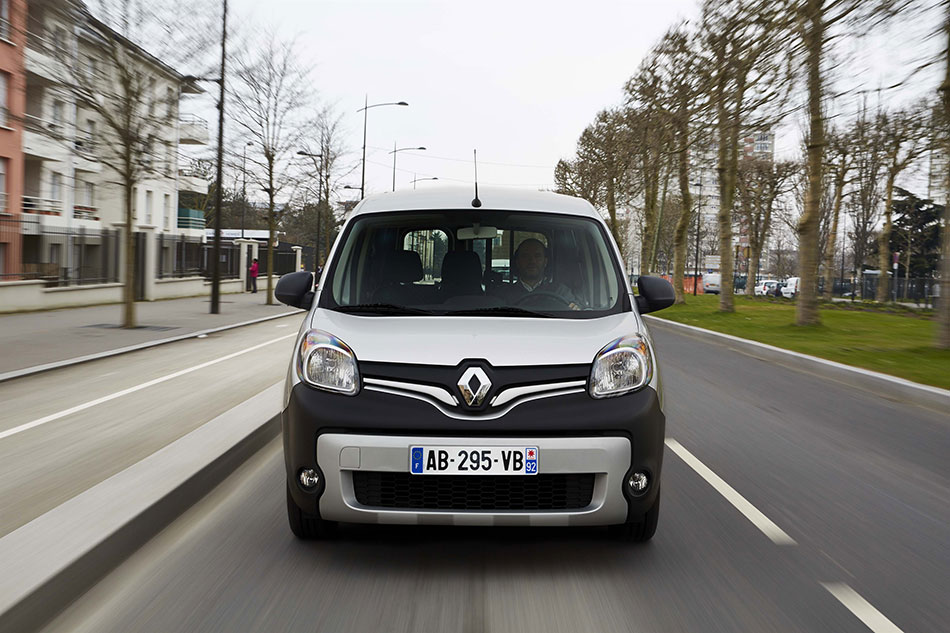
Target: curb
[[37, 369], [876, 382], [53, 559]]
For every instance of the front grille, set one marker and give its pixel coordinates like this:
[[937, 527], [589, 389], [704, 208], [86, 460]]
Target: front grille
[[473, 492]]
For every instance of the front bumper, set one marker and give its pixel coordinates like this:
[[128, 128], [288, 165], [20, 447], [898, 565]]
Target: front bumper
[[341, 455], [612, 438]]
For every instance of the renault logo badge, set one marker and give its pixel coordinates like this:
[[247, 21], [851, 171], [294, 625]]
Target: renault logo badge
[[474, 385]]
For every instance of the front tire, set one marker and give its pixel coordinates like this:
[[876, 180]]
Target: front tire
[[641, 531], [306, 526]]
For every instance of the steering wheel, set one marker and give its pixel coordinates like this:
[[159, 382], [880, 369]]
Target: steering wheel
[[533, 297]]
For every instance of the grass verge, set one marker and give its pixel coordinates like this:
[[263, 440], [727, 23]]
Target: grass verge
[[898, 342]]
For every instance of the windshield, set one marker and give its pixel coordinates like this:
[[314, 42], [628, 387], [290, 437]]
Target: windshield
[[475, 262]]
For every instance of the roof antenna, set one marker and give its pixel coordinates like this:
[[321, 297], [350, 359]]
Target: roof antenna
[[475, 201]]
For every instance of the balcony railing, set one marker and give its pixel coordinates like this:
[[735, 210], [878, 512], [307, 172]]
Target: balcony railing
[[85, 212], [43, 44], [85, 143], [192, 119], [36, 124], [3, 202], [42, 206]]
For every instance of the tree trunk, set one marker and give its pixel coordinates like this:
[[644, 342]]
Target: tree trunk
[[833, 235], [681, 234], [612, 211], [806, 305], [943, 307], [883, 240], [649, 223], [655, 249], [128, 291]]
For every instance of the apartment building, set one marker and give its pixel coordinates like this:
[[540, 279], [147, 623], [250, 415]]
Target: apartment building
[[12, 80], [70, 185]]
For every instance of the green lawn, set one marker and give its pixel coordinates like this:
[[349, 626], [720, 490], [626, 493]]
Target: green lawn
[[899, 343]]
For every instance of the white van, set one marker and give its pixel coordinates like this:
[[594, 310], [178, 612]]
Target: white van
[[792, 287], [711, 283], [426, 387]]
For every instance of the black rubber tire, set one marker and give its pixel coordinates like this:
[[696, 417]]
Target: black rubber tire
[[307, 526], [641, 531]]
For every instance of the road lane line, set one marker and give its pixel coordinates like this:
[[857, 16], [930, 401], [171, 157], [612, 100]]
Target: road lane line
[[861, 608], [759, 520], [125, 392]]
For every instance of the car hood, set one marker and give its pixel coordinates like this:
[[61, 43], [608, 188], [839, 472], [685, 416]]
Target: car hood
[[502, 341]]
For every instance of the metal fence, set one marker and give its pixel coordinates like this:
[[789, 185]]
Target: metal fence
[[63, 256], [181, 256]]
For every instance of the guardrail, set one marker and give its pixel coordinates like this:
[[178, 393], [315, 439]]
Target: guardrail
[[42, 206]]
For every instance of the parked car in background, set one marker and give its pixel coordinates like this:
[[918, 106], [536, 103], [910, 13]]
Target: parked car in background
[[765, 287], [711, 283], [792, 287]]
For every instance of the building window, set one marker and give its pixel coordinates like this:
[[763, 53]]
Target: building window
[[90, 193], [59, 109], [3, 184], [135, 203], [56, 187], [762, 137], [54, 253], [5, 19], [4, 95], [59, 41], [762, 147], [169, 103], [148, 207], [167, 211]]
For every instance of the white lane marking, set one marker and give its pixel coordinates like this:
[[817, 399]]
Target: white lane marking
[[283, 325], [861, 608], [125, 392], [759, 520]]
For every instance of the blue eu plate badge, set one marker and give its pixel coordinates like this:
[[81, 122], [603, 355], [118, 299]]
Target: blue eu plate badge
[[530, 460], [415, 458]]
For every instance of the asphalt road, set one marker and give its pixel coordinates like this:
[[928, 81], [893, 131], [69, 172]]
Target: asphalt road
[[64, 431], [859, 484]]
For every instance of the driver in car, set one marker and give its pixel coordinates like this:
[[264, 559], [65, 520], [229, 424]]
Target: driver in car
[[531, 260]]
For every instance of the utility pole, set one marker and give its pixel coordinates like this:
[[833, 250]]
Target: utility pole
[[244, 188], [216, 249]]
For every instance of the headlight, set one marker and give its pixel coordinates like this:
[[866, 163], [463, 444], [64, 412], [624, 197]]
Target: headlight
[[326, 362], [623, 366]]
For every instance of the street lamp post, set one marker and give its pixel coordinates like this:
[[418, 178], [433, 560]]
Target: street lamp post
[[316, 249], [699, 212], [364, 110], [415, 180], [396, 151]]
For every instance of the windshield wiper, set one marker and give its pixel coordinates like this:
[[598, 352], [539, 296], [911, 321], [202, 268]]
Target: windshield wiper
[[500, 311], [390, 309]]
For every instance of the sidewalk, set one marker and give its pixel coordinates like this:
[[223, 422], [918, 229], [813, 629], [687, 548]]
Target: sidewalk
[[37, 338]]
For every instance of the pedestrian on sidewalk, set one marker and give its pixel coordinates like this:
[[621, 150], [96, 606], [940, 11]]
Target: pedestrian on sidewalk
[[253, 276]]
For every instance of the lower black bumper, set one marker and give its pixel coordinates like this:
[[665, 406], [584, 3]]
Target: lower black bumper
[[311, 412]]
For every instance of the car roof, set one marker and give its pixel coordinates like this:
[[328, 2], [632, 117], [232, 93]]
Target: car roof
[[492, 198]]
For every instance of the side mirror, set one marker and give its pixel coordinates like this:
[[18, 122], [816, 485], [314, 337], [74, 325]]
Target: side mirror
[[656, 293], [295, 289]]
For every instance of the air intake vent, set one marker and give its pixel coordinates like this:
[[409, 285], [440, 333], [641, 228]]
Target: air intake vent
[[473, 492]]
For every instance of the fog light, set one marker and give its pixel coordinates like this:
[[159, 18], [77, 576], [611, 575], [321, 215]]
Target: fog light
[[309, 478], [638, 482]]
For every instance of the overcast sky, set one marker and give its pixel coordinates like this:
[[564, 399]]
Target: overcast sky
[[517, 80]]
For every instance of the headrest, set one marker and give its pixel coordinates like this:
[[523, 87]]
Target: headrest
[[403, 267], [462, 267]]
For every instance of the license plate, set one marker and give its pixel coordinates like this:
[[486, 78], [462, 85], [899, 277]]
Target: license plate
[[473, 460]]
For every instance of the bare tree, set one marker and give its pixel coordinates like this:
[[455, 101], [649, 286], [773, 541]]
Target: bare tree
[[839, 162], [743, 41], [681, 100], [273, 98], [760, 183], [904, 137], [130, 96], [864, 205]]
